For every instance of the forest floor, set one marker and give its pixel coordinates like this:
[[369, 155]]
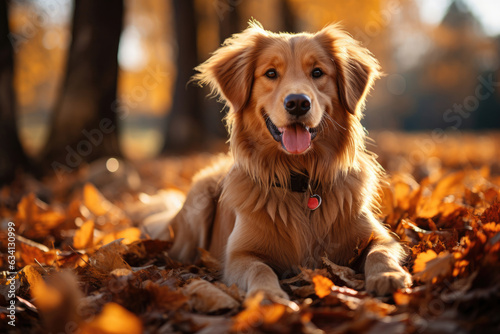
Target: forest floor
[[82, 264]]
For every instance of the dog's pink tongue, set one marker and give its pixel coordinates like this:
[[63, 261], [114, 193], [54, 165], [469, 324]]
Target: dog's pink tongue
[[296, 138]]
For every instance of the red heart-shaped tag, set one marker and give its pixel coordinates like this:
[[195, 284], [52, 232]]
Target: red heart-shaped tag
[[314, 202]]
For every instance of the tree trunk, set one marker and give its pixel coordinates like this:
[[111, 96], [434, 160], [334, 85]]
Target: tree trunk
[[230, 22], [12, 155], [84, 125], [185, 129], [288, 17]]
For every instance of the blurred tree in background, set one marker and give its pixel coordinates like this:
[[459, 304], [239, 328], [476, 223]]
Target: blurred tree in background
[[11, 153], [84, 121], [185, 127]]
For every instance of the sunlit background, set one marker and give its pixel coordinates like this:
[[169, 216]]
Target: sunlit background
[[441, 59]]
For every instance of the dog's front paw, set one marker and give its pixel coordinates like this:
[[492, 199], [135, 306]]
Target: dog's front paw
[[382, 284], [268, 294]]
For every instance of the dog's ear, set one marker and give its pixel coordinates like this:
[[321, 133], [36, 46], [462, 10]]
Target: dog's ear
[[229, 71], [356, 67]]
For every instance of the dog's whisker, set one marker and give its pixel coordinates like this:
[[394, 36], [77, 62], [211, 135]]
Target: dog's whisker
[[334, 122]]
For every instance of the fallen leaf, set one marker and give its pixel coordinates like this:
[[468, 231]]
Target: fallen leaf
[[207, 298], [401, 298], [32, 275], [129, 235], [113, 319], [422, 259], [35, 218], [209, 261], [164, 298], [99, 206], [108, 257], [256, 314], [428, 266], [58, 300], [29, 250], [322, 286], [84, 236], [346, 274]]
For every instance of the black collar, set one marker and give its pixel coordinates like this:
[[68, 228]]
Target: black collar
[[299, 183]]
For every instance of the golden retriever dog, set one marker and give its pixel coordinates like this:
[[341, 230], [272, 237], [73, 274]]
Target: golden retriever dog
[[298, 183]]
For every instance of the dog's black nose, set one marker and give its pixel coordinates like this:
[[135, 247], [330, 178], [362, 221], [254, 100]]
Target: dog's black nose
[[297, 104]]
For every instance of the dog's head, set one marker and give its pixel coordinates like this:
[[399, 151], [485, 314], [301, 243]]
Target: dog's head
[[292, 96]]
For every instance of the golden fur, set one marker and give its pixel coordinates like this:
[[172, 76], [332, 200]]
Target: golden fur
[[235, 210]]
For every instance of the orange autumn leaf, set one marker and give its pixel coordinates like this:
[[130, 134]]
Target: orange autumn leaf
[[36, 218], [113, 319], [401, 298], [129, 235], [422, 259], [94, 200], [98, 205], [46, 297], [32, 275], [428, 266], [491, 228], [84, 236], [29, 251], [322, 286], [460, 267], [451, 184], [255, 313]]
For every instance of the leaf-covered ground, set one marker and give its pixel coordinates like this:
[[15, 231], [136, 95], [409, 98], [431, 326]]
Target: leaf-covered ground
[[83, 265]]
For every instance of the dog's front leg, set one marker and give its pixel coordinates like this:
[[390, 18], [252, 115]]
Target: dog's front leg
[[383, 272], [244, 264]]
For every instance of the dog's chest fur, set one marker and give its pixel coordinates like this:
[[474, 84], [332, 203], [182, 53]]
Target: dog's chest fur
[[300, 236]]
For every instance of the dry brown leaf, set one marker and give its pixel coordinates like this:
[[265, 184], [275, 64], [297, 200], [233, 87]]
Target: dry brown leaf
[[206, 297], [233, 291], [360, 248], [113, 319], [29, 250], [164, 298], [346, 274], [84, 236], [209, 261], [108, 257]]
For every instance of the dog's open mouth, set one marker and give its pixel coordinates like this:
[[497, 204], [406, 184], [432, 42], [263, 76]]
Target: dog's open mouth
[[295, 138]]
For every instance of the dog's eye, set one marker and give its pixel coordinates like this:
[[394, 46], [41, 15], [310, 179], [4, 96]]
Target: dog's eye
[[316, 73], [271, 73]]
